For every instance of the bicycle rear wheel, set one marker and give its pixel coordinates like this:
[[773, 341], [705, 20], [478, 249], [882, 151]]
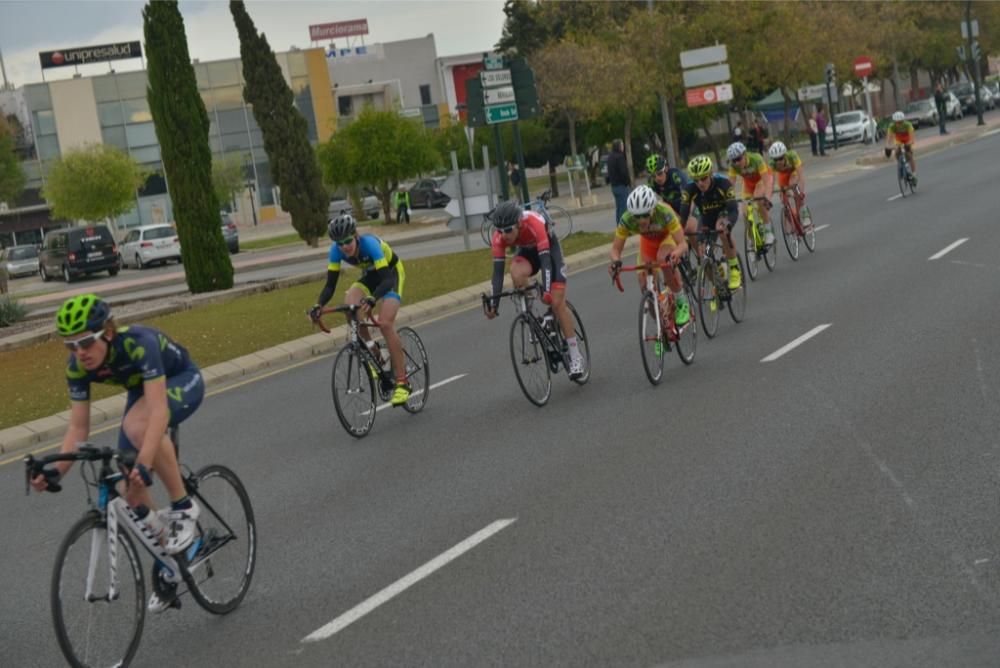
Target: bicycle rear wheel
[[790, 233], [687, 337], [750, 250], [564, 224], [221, 561], [738, 297], [530, 359], [354, 391], [651, 339], [808, 229], [581, 341], [901, 177], [100, 631], [417, 371], [486, 232], [709, 303]]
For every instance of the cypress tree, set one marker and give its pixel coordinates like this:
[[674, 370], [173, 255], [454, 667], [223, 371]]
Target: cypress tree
[[293, 161], [182, 130]]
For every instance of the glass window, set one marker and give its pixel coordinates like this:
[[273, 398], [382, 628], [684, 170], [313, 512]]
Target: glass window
[[137, 111], [425, 94], [143, 134], [159, 233], [146, 154], [264, 184], [115, 136], [236, 141], [45, 123], [297, 64], [232, 121], [132, 84], [48, 147], [105, 88], [226, 73], [230, 97], [131, 236], [37, 97], [110, 113], [344, 106]]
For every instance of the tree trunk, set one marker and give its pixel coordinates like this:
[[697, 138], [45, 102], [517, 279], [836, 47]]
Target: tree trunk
[[553, 180], [628, 145], [895, 83], [914, 84]]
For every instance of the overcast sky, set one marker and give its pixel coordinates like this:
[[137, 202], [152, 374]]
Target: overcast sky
[[26, 28]]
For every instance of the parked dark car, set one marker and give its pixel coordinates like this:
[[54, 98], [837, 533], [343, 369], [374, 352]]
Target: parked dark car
[[426, 194], [230, 233], [966, 96], [922, 112], [78, 251], [20, 260]]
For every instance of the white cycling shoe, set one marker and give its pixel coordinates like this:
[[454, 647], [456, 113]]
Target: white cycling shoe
[[576, 367], [181, 527]]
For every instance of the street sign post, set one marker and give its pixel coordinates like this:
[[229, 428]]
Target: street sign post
[[706, 66], [862, 66], [500, 95]]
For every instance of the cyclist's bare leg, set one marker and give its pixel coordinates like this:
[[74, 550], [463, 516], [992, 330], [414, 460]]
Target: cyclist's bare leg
[[387, 325], [671, 277], [762, 210], [354, 296], [135, 426], [520, 272], [728, 249], [691, 231], [563, 314], [911, 156]]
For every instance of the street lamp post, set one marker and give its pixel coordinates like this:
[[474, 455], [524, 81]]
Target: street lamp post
[[248, 171]]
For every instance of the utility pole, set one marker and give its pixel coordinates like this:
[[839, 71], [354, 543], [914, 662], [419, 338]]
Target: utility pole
[[668, 135], [973, 62]]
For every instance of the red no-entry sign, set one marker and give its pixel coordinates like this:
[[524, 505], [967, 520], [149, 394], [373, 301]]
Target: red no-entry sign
[[862, 66]]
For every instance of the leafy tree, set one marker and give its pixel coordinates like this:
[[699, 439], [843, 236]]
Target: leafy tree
[[378, 150], [228, 177], [96, 182], [182, 131], [11, 177], [286, 141]]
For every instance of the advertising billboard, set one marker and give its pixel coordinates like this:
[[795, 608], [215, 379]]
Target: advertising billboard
[[82, 55]]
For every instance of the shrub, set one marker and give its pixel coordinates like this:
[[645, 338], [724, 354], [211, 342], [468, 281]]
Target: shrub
[[11, 310]]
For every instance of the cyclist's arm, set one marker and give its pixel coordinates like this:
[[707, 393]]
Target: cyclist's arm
[[155, 393], [77, 432], [329, 288], [617, 246]]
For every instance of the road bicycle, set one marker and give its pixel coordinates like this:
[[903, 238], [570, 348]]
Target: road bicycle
[[658, 331], [98, 608], [549, 212], [796, 222], [904, 176], [713, 284], [538, 348], [363, 376], [753, 240]]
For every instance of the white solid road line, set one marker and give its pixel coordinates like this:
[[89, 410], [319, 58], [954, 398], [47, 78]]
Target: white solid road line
[[894, 197], [948, 248], [796, 343], [407, 581], [821, 227], [435, 385]]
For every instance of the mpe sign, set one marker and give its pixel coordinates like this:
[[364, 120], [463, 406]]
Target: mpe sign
[[90, 54]]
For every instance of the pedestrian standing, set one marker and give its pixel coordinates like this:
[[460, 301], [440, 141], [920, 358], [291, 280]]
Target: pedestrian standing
[[821, 130], [941, 102], [515, 181], [618, 177], [402, 206], [738, 132], [813, 143]]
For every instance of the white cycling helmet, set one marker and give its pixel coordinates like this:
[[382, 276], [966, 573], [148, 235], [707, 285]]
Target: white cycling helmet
[[641, 201], [777, 150], [898, 117], [736, 151]]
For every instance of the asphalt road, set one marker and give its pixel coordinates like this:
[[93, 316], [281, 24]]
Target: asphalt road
[[836, 506]]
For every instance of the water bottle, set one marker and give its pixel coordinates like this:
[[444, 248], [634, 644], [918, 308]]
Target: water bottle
[[149, 523]]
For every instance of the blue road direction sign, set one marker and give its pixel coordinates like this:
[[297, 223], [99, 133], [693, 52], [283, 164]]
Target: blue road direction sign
[[501, 113]]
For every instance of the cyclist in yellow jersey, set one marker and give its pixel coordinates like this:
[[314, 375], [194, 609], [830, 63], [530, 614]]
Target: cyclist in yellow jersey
[[758, 181], [787, 165], [661, 239], [900, 133]]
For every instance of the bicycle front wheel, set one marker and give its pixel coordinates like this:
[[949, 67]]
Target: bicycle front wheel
[[808, 229], [98, 608], [770, 252], [709, 304], [790, 232], [354, 391], [750, 250], [561, 220], [901, 178], [581, 341], [221, 561], [738, 297], [651, 339], [530, 360], [417, 371]]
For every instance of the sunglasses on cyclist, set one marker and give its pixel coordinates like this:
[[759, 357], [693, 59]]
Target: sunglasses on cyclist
[[346, 241], [507, 230], [83, 343]]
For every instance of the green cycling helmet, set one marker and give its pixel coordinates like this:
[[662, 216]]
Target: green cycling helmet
[[82, 313], [700, 167], [655, 163]]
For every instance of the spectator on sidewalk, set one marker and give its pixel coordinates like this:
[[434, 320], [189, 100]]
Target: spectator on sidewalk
[[738, 132], [941, 102], [758, 134], [515, 181], [821, 130], [402, 202], [813, 131], [618, 177]]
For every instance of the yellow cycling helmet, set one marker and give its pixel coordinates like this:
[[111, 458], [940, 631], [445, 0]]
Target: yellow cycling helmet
[[700, 167]]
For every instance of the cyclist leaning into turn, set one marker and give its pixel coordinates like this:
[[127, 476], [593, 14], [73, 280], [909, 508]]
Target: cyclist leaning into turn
[[661, 238], [900, 134], [787, 165], [757, 181], [382, 277], [537, 250], [667, 182], [164, 388], [715, 197]]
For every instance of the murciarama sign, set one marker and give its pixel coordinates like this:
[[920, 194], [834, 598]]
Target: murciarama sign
[[90, 54], [339, 29]]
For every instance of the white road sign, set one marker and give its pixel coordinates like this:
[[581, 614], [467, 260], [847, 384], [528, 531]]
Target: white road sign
[[491, 78], [707, 56], [498, 95]]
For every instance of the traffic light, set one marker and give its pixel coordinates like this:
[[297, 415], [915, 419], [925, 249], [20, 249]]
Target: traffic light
[[976, 53], [475, 114], [961, 53], [831, 73]]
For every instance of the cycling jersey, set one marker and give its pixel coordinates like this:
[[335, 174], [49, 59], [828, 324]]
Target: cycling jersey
[[382, 270], [752, 172], [720, 197], [662, 221], [373, 254], [792, 162], [537, 246], [670, 190], [902, 133]]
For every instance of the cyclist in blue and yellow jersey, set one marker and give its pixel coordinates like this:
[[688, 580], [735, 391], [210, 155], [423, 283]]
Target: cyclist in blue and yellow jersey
[[715, 198], [758, 181], [667, 182], [382, 278], [164, 388], [900, 133], [661, 238]]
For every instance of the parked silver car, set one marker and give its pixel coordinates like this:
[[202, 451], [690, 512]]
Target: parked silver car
[[20, 260], [150, 243], [922, 112], [369, 204], [853, 126], [230, 233]]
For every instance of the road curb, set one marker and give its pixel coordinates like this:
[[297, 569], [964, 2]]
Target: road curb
[[42, 430]]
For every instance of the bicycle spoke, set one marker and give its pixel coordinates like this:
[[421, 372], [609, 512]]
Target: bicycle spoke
[[353, 391], [417, 372], [530, 360]]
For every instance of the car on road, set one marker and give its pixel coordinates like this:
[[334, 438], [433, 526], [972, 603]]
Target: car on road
[[230, 233], [145, 245], [853, 126], [426, 194], [921, 113], [72, 252], [369, 204], [20, 260]]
